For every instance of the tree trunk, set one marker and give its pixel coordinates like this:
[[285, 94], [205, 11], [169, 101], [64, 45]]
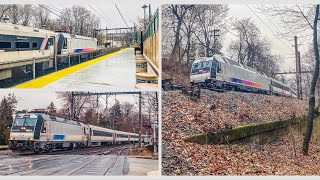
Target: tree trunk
[[311, 112], [176, 46], [188, 51]]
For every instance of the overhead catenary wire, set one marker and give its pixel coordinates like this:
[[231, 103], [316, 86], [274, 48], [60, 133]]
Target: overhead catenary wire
[[121, 15], [268, 28], [110, 21], [54, 8], [282, 34], [99, 14], [49, 10]]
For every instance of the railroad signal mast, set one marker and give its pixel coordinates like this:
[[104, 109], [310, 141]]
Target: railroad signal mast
[[74, 94]]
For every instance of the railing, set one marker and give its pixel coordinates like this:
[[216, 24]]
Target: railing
[[153, 26], [151, 42]]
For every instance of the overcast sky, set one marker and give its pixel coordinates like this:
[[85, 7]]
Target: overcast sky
[[280, 45], [131, 11], [107, 10], [38, 99]]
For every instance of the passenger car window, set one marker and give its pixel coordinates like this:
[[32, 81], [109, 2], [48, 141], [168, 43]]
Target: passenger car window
[[22, 45], [65, 44], [5, 45], [43, 128], [50, 43], [34, 45], [219, 67]]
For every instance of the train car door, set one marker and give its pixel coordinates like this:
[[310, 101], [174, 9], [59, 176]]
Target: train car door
[[51, 44], [114, 138], [87, 135], [213, 72]]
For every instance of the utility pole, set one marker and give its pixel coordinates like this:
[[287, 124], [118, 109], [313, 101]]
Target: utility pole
[[150, 13], [72, 105], [298, 67], [107, 109], [155, 147], [140, 120], [300, 76], [141, 43], [215, 35], [144, 16], [106, 36]]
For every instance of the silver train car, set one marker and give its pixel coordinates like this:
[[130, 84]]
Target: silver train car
[[20, 44], [70, 43], [40, 132], [223, 73]]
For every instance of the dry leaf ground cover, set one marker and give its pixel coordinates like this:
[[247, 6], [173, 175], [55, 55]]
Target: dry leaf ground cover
[[182, 117]]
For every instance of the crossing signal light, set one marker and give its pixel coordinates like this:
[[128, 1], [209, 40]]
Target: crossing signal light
[[147, 125]]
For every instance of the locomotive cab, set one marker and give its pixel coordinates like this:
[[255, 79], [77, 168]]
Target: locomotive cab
[[201, 70], [25, 129], [205, 70]]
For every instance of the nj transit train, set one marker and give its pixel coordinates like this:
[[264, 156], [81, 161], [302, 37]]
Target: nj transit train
[[40, 132], [223, 73], [20, 43]]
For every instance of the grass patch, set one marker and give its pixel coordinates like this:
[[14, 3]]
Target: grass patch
[[239, 132]]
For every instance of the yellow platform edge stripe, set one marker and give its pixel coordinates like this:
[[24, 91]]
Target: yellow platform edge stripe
[[47, 79]]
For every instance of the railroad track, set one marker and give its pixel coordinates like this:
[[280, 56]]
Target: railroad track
[[87, 151], [192, 90], [168, 86], [119, 149], [85, 161]]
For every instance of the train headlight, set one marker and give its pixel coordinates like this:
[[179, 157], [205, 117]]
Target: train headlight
[[30, 139]]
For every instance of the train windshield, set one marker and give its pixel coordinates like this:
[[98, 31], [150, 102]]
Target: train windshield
[[26, 121], [201, 67]]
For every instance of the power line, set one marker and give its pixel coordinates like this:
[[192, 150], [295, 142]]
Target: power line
[[121, 15], [98, 13], [279, 29], [54, 8], [49, 10], [103, 13], [268, 28]]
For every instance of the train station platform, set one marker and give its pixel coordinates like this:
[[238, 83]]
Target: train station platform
[[115, 70]]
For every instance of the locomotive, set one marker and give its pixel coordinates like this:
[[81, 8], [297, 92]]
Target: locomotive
[[18, 44], [38, 132], [222, 73]]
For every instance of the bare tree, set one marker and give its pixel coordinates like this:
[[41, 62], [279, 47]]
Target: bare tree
[[188, 31], [26, 15], [79, 104], [249, 38], [251, 49], [3, 11], [179, 12], [41, 17], [311, 112], [14, 13], [209, 19]]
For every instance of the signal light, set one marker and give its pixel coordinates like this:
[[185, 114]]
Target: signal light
[[147, 125]]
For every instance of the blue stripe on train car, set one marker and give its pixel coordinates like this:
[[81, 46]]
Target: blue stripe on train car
[[78, 50], [58, 137], [236, 80]]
